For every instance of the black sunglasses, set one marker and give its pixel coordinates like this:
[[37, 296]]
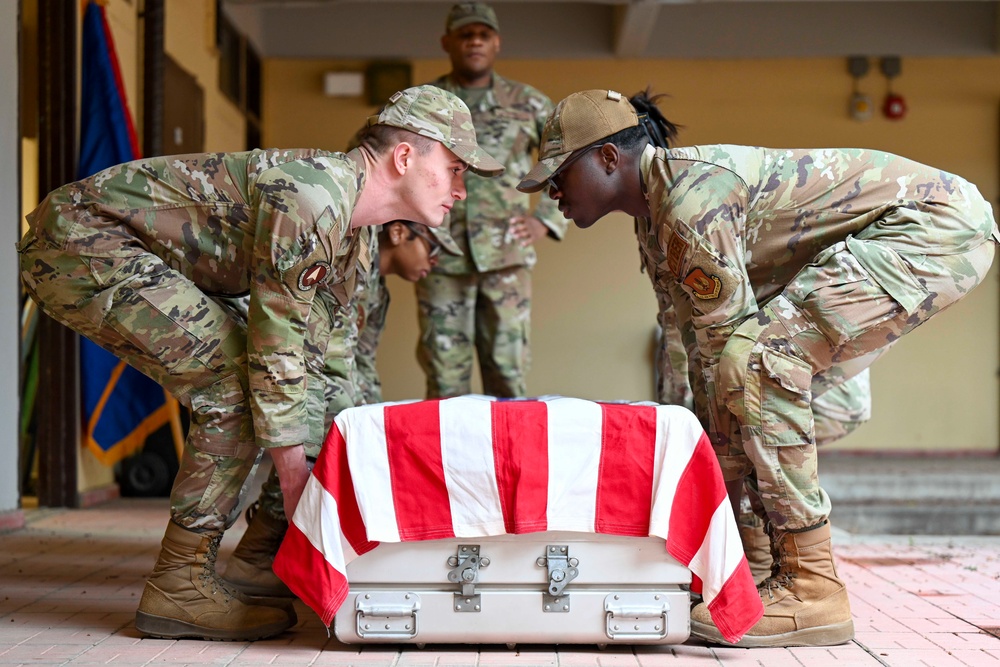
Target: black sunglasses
[[551, 180], [434, 247]]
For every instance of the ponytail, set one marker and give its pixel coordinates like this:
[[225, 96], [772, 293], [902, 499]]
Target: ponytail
[[661, 132]]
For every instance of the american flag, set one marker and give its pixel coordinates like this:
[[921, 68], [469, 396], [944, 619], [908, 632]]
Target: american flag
[[474, 466]]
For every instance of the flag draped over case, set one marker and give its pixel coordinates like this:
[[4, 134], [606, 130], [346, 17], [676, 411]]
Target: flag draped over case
[[474, 466]]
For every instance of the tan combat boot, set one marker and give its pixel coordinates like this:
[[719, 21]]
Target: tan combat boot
[[249, 568], [805, 602], [184, 597], [757, 547]]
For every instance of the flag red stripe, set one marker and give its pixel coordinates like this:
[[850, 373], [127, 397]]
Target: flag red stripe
[[133, 138], [625, 478], [416, 470], [731, 610], [520, 456], [310, 575], [700, 491], [333, 472]]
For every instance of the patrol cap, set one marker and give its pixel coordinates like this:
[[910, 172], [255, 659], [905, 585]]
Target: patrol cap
[[443, 237], [467, 13], [577, 121], [435, 113]]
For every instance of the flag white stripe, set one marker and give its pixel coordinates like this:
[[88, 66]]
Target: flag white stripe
[[676, 440], [469, 468], [574, 462], [318, 518], [720, 552], [368, 457]]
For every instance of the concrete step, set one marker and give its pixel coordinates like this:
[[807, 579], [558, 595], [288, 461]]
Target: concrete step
[[916, 495]]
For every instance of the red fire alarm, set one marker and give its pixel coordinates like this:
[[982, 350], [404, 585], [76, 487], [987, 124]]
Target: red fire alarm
[[894, 106]]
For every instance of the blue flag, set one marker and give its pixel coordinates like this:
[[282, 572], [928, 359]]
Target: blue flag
[[121, 406]]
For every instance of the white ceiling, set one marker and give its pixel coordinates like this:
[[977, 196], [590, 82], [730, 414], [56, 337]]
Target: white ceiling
[[567, 29]]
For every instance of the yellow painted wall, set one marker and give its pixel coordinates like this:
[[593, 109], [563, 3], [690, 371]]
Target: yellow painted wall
[[594, 312]]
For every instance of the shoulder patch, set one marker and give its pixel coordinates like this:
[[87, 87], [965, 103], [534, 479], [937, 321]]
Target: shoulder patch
[[314, 274], [676, 250], [703, 285]]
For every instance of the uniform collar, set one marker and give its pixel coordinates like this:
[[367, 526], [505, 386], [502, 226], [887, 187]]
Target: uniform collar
[[499, 94]]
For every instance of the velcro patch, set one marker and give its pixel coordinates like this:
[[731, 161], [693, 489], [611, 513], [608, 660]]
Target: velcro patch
[[703, 285], [676, 250], [313, 275]]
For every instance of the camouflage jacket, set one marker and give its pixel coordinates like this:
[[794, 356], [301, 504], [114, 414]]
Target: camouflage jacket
[[509, 122], [730, 226], [269, 225], [372, 310]]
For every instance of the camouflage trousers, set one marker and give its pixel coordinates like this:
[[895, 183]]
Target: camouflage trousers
[[489, 311], [136, 307], [836, 310]]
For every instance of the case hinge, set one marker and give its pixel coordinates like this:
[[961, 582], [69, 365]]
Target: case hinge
[[390, 615], [636, 615]]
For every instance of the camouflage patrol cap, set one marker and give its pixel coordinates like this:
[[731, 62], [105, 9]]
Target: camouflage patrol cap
[[577, 122], [438, 114], [467, 13], [443, 237]]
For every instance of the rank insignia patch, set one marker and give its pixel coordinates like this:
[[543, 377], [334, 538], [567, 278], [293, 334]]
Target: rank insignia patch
[[676, 250], [313, 274], [703, 285]]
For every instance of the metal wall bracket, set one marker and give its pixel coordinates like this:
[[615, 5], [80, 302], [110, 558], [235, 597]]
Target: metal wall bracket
[[389, 615], [635, 616], [562, 570], [465, 566]]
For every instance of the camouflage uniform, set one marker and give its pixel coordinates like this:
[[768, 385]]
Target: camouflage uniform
[[790, 270], [483, 298], [146, 259], [338, 370]]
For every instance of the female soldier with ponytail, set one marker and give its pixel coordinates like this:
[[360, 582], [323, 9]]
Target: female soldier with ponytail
[[785, 269]]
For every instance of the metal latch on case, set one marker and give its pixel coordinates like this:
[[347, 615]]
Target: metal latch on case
[[465, 566], [562, 570], [387, 615]]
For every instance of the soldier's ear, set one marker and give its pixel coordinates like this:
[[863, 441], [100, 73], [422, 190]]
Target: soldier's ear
[[397, 233], [610, 157], [401, 156]]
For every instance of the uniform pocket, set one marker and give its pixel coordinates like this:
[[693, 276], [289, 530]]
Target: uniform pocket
[[786, 400], [220, 417]]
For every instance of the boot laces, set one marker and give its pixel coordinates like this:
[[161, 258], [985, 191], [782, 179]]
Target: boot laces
[[252, 510], [781, 577], [208, 576]]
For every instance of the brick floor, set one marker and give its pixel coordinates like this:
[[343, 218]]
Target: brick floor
[[70, 581]]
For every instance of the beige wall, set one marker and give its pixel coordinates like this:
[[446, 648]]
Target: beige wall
[[594, 312]]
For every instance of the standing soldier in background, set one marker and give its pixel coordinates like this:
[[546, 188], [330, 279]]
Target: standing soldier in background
[[482, 300], [348, 372], [144, 259]]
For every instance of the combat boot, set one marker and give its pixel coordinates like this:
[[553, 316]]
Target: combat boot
[[250, 567], [184, 597], [805, 602], [757, 547]]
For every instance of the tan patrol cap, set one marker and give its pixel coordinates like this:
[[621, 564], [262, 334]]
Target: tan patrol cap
[[438, 114], [577, 121], [467, 13]]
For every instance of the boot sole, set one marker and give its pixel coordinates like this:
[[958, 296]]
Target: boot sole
[[826, 635], [163, 627]]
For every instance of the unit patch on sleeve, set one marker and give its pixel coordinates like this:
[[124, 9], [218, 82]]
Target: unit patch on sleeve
[[313, 275], [703, 285]]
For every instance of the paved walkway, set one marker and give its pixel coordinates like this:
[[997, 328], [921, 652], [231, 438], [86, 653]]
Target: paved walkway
[[70, 582]]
